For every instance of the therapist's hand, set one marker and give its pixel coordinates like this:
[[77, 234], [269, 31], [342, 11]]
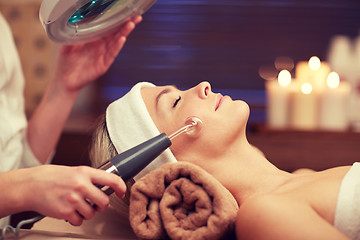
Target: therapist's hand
[[79, 65], [62, 192]]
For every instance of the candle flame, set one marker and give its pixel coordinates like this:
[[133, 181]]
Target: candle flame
[[306, 88], [284, 78], [314, 63], [333, 80]]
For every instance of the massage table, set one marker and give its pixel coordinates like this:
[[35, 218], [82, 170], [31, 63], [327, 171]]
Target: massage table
[[105, 226]]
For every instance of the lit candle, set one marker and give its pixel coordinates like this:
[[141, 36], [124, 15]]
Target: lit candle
[[278, 93], [334, 104], [315, 72], [304, 108]]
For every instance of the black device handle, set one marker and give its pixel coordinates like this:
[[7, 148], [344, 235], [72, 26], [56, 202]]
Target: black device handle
[[132, 161]]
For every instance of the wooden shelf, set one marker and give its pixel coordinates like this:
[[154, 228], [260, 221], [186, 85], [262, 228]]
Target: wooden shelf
[[318, 150]]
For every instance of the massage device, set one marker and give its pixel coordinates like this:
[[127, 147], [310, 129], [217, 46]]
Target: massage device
[[131, 162]]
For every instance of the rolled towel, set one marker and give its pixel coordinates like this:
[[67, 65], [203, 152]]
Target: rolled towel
[[181, 201]]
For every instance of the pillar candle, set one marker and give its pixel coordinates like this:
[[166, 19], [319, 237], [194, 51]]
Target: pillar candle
[[334, 104], [278, 97], [304, 108], [315, 72]]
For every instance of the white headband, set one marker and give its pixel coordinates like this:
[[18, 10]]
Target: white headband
[[129, 124]]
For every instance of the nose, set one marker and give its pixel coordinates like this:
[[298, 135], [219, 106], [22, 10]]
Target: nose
[[203, 89]]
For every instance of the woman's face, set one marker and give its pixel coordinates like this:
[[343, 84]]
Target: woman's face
[[224, 119]]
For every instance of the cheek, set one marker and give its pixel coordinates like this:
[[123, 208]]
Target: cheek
[[219, 130], [167, 126], [229, 125], [234, 117], [186, 111], [191, 109]]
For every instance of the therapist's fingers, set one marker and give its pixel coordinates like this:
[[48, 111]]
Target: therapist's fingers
[[136, 19], [126, 29], [96, 199], [85, 209], [109, 179], [116, 41], [78, 205], [75, 219], [100, 177]]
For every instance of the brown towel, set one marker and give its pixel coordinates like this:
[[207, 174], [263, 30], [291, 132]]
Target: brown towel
[[181, 201]]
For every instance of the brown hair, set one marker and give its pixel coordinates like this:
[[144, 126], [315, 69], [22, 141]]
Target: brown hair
[[101, 150]]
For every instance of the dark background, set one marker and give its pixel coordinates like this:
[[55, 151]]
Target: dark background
[[225, 42], [184, 42]]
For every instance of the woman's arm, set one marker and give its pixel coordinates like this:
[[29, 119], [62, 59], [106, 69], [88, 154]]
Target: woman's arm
[[77, 66], [274, 218]]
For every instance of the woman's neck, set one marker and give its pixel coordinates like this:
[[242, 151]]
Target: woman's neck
[[246, 173], [238, 165]]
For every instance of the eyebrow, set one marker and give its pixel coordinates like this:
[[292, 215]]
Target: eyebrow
[[164, 91]]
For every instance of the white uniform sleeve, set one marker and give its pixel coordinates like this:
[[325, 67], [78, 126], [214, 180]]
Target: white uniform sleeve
[[14, 149]]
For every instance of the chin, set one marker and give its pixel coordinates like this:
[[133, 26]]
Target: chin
[[239, 116], [242, 110]]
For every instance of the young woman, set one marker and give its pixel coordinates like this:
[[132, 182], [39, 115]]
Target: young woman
[[274, 204]]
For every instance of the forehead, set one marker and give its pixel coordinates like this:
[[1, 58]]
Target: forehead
[[151, 95]]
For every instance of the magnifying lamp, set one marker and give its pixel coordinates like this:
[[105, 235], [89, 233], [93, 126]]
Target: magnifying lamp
[[79, 21]]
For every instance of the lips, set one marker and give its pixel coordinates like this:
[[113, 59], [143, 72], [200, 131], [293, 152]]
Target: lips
[[219, 100]]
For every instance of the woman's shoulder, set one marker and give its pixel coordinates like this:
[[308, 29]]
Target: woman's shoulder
[[278, 217], [262, 214], [264, 207]]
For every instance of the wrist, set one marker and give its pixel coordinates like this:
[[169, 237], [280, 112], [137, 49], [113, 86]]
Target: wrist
[[59, 88], [17, 191]]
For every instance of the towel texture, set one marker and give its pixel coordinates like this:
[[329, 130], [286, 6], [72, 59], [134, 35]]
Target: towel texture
[[181, 201], [129, 124], [347, 215]]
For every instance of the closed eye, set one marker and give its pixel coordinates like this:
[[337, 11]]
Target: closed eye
[[176, 102]]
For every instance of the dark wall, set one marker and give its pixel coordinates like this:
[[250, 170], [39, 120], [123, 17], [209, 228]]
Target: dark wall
[[183, 42]]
